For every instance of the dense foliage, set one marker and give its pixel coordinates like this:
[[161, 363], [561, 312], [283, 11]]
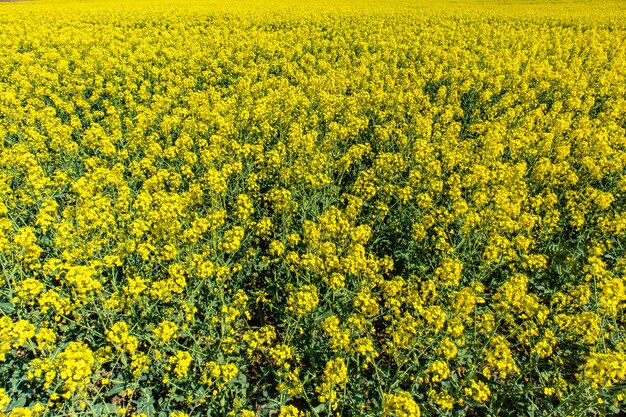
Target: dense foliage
[[294, 209]]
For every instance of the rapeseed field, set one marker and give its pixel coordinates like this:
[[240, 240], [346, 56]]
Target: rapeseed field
[[312, 208]]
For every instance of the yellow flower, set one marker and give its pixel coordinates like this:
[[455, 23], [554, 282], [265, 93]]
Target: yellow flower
[[290, 411], [281, 354], [182, 361], [401, 404], [166, 330], [442, 398], [21, 412], [140, 362], [232, 239], [438, 371], [244, 207], [449, 272], [605, 369], [447, 349], [302, 300], [46, 215], [335, 378], [119, 335], [83, 278], [500, 356], [4, 399], [366, 303], [29, 288], [45, 338], [478, 391], [75, 365], [22, 331]]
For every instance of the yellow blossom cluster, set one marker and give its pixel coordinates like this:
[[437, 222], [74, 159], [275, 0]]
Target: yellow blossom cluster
[[401, 404], [335, 378]]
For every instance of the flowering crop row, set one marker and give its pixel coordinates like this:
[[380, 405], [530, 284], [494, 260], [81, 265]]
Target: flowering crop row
[[302, 209]]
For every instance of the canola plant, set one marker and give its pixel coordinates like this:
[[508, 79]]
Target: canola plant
[[293, 209]]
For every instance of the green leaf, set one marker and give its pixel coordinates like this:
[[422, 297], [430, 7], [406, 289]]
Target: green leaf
[[115, 390], [7, 308], [20, 402]]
